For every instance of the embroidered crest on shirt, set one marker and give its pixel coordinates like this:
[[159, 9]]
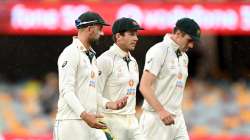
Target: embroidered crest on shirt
[[172, 64]]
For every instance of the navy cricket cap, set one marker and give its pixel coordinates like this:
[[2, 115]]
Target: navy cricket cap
[[88, 19], [125, 24], [190, 27]]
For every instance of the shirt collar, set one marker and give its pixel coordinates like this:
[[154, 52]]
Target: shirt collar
[[119, 51], [80, 46], [170, 42]]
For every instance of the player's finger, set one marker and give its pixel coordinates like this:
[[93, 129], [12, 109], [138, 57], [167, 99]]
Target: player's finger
[[99, 125], [171, 121], [168, 120], [120, 105], [98, 116]]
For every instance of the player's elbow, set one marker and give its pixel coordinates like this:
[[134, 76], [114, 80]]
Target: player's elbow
[[142, 88]]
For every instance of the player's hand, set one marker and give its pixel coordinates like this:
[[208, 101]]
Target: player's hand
[[166, 117], [119, 104], [92, 120]]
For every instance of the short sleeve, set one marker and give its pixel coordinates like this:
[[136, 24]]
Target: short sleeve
[[154, 59]]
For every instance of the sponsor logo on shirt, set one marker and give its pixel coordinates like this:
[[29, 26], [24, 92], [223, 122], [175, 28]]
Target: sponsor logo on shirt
[[179, 83], [99, 72], [131, 83], [64, 64], [150, 60], [131, 90], [179, 76], [92, 81]]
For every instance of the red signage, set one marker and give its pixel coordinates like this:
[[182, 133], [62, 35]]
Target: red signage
[[156, 18]]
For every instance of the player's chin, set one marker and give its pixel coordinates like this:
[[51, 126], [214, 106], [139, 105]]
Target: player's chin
[[132, 46]]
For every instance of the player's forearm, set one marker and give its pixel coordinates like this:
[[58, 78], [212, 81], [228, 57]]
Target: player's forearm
[[101, 101], [74, 103], [149, 95]]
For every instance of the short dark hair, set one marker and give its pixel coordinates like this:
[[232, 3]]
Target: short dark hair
[[190, 27], [125, 24], [177, 29], [121, 33]]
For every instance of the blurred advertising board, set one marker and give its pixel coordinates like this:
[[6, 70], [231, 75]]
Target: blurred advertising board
[[156, 18]]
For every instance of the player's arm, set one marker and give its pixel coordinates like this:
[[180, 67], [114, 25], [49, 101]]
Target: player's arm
[[105, 67], [151, 70], [146, 88], [67, 67]]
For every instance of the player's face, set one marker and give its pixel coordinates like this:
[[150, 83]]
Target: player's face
[[96, 32], [129, 40], [186, 43]]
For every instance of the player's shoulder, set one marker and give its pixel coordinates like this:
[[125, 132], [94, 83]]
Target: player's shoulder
[[106, 56], [158, 48], [69, 51]]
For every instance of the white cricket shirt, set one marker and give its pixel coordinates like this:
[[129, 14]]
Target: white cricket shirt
[[77, 82], [171, 73], [117, 79]]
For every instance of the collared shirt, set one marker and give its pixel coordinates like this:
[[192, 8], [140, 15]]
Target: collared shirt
[[117, 78], [77, 82], [171, 73]]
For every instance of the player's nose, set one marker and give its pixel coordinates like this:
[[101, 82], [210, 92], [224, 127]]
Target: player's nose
[[101, 33]]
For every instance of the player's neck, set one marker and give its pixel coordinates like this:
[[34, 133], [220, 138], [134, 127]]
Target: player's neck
[[123, 48], [84, 41]]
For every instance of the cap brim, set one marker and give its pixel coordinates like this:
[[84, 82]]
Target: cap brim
[[104, 24], [137, 28]]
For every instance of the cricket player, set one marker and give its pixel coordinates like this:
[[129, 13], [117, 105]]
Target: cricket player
[[163, 82], [77, 116], [119, 77]]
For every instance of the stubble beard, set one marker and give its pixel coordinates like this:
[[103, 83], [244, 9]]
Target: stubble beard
[[94, 41]]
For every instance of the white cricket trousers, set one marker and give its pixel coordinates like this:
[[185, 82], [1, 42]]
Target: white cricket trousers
[[124, 127], [154, 129], [76, 130]]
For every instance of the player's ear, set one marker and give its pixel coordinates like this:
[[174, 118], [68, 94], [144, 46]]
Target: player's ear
[[89, 28], [117, 36]]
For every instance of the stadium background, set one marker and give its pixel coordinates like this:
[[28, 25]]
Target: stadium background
[[217, 97]]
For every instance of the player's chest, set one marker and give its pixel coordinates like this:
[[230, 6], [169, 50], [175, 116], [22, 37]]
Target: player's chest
[[87, 68], [123, 72], [176, 66]]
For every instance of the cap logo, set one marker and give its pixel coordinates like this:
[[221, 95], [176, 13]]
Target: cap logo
[[198, 32]]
